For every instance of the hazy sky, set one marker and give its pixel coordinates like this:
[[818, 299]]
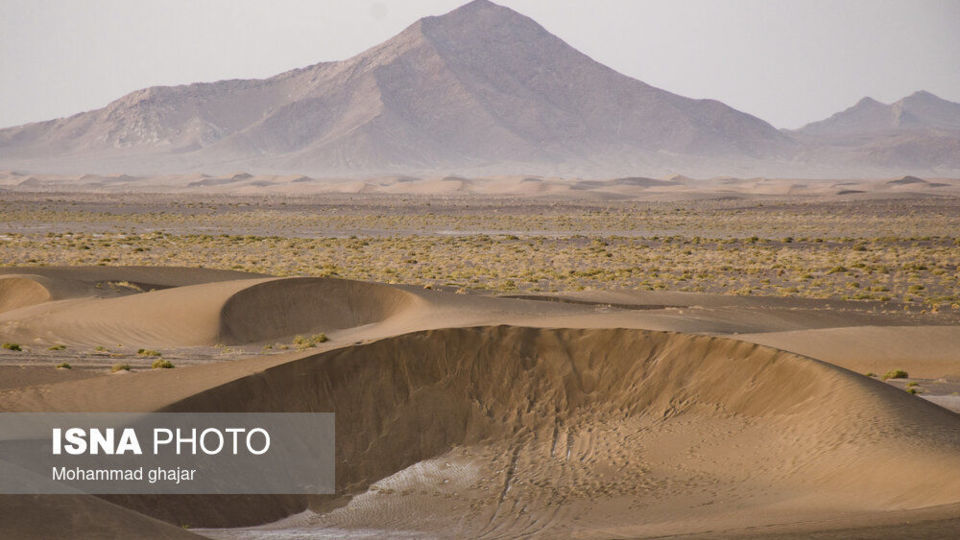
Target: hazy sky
[[788, 62]]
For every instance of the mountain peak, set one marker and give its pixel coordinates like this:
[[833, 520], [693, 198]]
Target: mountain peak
[[922, 94], [925, 98], [478, 16], [480, 4]]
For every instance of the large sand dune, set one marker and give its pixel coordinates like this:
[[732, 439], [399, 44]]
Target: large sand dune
[[465, 415], [228, 312], [516, 430]]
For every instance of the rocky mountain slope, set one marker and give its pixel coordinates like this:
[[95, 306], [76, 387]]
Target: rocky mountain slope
[[481, 87]]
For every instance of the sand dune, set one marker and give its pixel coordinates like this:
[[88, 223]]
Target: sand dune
[[559, 187], [17, 291], [924, 351], [515, 431], [228, 312], [146, 277], [510, 431], [478, 416]]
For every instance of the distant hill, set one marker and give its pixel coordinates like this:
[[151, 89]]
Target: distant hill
[[920, 131], [918, 111]]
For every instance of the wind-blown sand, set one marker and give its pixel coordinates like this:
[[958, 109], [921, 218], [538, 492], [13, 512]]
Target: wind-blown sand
[[597, 415]]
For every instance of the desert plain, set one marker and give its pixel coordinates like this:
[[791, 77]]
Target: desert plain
[[619, 358]]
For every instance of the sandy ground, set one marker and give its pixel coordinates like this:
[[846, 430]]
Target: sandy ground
[[600, 414], [667, 188]]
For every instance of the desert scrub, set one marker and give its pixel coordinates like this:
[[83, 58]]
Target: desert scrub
[[895, 374], [161, 364], [56, 347], [63, 365], [12, 347], [308, 342], [149, 352], [703, 246], [119, 367]]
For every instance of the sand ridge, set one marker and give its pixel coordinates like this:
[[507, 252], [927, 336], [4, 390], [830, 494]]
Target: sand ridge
[[219, 312]]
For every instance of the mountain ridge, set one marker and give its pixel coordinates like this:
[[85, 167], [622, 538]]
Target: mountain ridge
[[920, 109], [913, 133]]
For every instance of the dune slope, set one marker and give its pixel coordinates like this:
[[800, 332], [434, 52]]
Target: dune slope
[[923, 351], [505, 430], [75, 516], [17, 291]]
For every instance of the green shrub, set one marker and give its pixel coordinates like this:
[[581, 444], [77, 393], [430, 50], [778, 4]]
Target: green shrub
[[161, 364], [56, 348], [308, 342], [896, 374], [12, 347], [63, 365], [120, 367], [149, 352]]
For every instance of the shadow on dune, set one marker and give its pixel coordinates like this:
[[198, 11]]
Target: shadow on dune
[[282, 307]]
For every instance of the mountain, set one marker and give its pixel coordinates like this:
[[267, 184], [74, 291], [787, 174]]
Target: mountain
[[481, 88], [920, 131], [918, 111]]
